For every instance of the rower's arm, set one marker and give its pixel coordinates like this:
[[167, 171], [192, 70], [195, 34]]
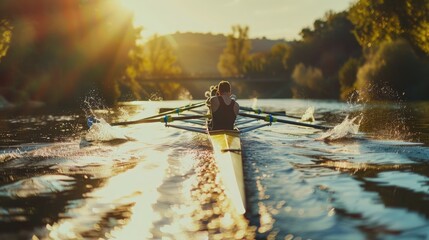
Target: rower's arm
[[214, 104], [236, 108]]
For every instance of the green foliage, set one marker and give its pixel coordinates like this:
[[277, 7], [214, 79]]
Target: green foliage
[[134, 71], [5, 37], [386, 20], [159, 59], [393, 71], [326, 47], [60, 50], [268, 64], [256, 65], [347, 77], [276, 60], [309, 82], [234, 57], [154, 59]]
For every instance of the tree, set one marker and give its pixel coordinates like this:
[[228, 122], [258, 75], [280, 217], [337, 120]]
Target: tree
[[59, 50], [325, 47], [379, 21], [5, 36], [393, 71], [309, 82], [159, 59], [276, 64], [347, 77], [256, 65], [134, 70], [234, 57], [269, 64]]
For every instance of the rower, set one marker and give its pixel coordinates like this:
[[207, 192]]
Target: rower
[[224, 110]]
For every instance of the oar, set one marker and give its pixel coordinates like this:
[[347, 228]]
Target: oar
[[270, 118], [178, 110], [259, 111], [165, 119], [91, 120], [164, 110]]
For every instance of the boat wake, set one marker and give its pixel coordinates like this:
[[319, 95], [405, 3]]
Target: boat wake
[[37, 186], [346, 129]]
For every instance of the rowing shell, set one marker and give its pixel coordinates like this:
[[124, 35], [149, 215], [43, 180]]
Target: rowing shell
[[227, 153]]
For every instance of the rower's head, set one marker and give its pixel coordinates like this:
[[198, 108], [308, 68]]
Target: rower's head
[[213, 90], [224, 87]]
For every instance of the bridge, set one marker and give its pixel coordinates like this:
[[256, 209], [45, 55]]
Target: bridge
[[268, 87], [212, 79]]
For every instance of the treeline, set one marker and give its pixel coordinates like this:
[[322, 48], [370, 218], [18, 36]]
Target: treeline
[[375, 50], [58, 51]]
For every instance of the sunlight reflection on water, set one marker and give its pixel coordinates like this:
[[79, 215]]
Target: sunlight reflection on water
[[161, 182]]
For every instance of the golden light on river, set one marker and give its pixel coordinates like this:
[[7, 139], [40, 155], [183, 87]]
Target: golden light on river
[[172, 190]]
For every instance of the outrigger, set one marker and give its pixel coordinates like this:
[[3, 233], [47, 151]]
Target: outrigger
[[226, 144]]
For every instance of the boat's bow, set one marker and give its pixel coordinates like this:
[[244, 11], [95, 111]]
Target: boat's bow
[[227, 152]]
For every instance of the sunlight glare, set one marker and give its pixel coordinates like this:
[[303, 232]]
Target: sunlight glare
[[130, 5], [131, 192]]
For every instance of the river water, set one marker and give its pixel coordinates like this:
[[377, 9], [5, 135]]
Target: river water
[[145, 181]]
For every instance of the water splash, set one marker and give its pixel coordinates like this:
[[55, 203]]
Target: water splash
[[347, 128], [101, 131], [385, 119], [308, 115], [184, 94], [93, 105], [96, 112], [155, 97], [255, 103]]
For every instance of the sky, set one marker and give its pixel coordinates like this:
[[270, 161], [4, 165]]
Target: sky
[[274, 19]]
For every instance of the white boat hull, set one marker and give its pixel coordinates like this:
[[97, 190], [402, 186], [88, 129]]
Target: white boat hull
[[227, 152]]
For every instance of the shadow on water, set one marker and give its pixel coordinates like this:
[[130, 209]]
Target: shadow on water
[[23, 215]]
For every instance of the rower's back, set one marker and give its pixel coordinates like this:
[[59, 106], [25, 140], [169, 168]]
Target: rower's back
[[224, 110], [223, 118]]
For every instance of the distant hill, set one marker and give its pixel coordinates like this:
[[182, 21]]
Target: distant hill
[[198, 53]]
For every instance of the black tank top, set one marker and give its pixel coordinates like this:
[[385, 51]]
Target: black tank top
[[224, 117]]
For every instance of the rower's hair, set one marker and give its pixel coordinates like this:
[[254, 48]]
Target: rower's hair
[[224, 87], [212, 92]]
